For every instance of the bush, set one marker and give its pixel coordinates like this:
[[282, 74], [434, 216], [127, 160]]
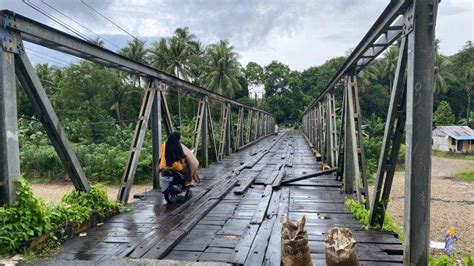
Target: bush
[[30, 217], [26, 218], [362, 214]]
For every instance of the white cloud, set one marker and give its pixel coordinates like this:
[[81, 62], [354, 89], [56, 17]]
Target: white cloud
[[296, 32]]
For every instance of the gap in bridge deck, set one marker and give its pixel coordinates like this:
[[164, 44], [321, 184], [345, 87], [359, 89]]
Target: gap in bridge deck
[[242, 228]]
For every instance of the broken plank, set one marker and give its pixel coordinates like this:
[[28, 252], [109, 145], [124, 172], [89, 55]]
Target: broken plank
[[273, 253], [279, 178], [245, 185], [259, 214]]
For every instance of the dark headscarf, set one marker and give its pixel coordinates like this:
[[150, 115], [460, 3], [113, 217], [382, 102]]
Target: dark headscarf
[[174, 151]]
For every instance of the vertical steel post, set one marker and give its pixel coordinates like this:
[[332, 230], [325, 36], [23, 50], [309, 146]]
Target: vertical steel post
[[342, 133], [420, 76], [229, 130], [205, 131], [156, 138], [351, 170], [9, 147], [256, 125], [240, 129], [249, 126]]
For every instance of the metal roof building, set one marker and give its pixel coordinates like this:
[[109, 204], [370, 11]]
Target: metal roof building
[[453, 139]]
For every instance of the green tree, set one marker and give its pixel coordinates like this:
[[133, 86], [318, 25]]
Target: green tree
[[136, 51], [222, 68], [254, 75], [444, 115], [390, 64], [441, 74]]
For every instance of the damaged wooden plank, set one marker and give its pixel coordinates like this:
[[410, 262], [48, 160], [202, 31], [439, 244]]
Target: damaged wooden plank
[[259, 214]]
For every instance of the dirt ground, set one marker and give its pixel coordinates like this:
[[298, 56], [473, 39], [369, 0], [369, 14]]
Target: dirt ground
[[452, 202], [54, 192]]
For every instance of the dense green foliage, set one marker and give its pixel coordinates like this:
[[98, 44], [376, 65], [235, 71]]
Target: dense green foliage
[[362, 214], [443, 116], [450, 261], [30, 217]]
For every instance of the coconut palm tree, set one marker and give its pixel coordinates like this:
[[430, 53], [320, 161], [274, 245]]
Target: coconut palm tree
[[441, 74], [174, 56], [366, 77], [222, 68], [136, 51], [390, 63]]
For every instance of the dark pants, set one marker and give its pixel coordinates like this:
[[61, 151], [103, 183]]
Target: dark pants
[[186, 172]]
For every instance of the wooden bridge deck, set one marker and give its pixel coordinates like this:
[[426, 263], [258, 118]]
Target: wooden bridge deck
[[225, 222]]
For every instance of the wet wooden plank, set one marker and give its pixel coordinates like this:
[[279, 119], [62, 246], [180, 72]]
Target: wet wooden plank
[[243, 247], [260, 243], [262, 206], [273, 253], [183, 255], [160, 249], [244, 185]]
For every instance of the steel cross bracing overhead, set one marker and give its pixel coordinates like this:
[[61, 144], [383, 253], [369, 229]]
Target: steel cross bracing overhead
[[15, 63], [412, 23]]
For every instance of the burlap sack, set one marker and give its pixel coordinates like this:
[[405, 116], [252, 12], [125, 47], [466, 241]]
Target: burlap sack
[[294, 244], [340, 248]]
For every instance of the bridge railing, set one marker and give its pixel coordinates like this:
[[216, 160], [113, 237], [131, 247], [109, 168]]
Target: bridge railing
[[251, 123], [409, 114]]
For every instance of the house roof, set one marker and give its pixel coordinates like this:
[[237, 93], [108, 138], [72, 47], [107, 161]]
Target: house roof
[[457, 132]]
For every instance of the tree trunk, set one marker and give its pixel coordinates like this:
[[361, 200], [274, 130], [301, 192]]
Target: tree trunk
[[468, 104]]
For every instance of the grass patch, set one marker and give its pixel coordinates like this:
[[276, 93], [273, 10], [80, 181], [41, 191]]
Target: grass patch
[[452, 155], [449, 261], [467, 176], [362, 214]]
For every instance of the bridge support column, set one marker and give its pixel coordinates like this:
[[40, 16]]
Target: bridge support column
[[9, 147], [240, 129], [256, 125], [249, 127], [354, 161], [156, 138], [342, 136], [420, 76], [331, 130]]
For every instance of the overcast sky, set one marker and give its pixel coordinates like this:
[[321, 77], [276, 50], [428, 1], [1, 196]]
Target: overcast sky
[[295, 32]]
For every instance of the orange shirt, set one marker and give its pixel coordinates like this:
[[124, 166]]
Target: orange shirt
[[178, 165]]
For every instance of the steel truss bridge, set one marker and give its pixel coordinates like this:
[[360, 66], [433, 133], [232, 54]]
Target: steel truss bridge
[[257, 179]]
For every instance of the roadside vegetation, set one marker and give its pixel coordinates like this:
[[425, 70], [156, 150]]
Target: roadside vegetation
[[31, 226], [467, 176], [453, 155], [362, 214]]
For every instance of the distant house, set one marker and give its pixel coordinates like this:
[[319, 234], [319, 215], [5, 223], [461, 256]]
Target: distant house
[[453, 139]]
